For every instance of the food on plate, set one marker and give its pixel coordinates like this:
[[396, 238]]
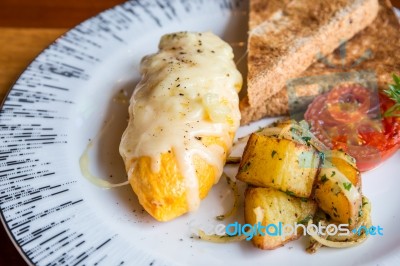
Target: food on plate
[[351, 239], [392, 99], [357, 120], [183, 116], [374, 48], [234, 188], [185, 111], [338, 191], [279, 192], [272, 161], [266, 206], [285, 36]]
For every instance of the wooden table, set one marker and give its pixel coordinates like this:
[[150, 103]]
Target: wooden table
[[26, 28]]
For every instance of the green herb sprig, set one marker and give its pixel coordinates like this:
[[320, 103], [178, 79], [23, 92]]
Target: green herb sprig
[[394, 94]]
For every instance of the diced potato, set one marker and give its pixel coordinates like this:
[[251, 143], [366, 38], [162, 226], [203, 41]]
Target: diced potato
[[269, 206], [363, 220], [352, 173], [279, 163], [337, 191]]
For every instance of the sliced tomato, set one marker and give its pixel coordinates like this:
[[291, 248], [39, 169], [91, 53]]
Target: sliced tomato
[[348, 118], [348, 103]]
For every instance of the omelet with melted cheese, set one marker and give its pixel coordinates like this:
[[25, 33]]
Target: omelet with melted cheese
[[183, 116]]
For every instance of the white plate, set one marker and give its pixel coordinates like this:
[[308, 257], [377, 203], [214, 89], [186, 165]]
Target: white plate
[[64, 98]]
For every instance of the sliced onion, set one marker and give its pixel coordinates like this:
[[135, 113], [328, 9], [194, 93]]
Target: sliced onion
[[288, 133], [84, 162], [334, 244], [236, 196], [341, 155], [243, 139], [351, 193], [314, 141], [340, 241], [304, 124], [291, 130], [271, 131], [337, 244], [233, 160], [220, 239], [283, 133]]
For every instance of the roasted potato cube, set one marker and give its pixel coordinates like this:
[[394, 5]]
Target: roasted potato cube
[[279, 163], [337, 194], [364, 219], [352, 173], [274, 209]]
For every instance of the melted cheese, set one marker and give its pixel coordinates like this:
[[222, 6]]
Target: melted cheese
[[189, 89]]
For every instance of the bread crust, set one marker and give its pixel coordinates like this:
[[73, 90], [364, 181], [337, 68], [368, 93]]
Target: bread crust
[[381, 37], [285, 37]]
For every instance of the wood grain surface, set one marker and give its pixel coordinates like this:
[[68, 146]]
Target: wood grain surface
[[26, 28]]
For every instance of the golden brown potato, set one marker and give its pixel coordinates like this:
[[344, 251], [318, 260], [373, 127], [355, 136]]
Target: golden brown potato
[[352, 173], [363, 220], [270, 206], [337, 192], [279, 163]]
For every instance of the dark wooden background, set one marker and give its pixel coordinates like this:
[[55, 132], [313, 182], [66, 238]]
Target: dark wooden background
[[26, 28], [49, 13]]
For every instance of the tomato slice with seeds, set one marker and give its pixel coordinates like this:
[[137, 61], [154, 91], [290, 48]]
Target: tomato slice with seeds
[[349, 118], [348, 103]]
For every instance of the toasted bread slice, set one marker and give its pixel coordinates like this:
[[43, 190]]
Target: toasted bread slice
[[381, 38], [285, 37]]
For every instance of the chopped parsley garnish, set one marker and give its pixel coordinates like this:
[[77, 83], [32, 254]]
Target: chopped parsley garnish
[[273, 153], [290, 193], [305, 220], [347, 186], [322, 156], [307, 140], [364, 202], [324, 179], [245, 167]]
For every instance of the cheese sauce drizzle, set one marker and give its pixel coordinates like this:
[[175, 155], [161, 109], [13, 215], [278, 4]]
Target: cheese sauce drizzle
[[189, 90], [84, 163]]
